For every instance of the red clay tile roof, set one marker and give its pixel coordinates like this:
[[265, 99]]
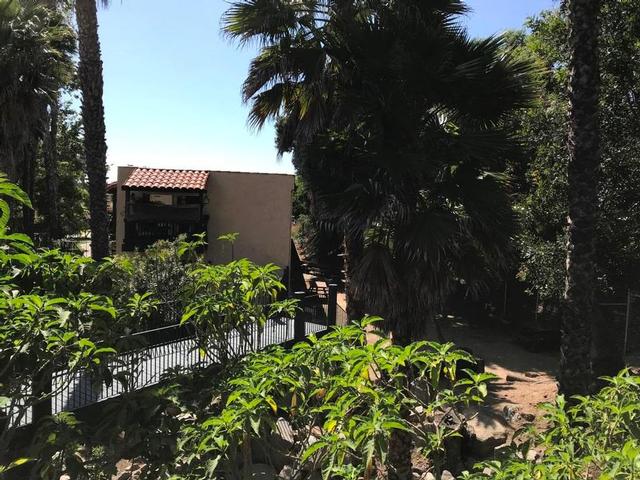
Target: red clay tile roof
[[161, 179]]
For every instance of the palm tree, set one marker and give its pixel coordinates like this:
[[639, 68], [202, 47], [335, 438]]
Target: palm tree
[[292, 80], [413, 112], [35, 62], [584, 158], [91, 85]]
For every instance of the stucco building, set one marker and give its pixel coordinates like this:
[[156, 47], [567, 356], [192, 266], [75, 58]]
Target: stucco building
[[153, 204]]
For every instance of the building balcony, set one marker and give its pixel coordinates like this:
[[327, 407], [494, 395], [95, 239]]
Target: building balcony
[[141, 234], [150, 212]]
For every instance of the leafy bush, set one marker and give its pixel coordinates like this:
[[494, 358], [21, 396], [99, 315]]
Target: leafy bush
[[162, 270], [229, 305], [589, 438], [343, 398], [64, 312], [40, 331]]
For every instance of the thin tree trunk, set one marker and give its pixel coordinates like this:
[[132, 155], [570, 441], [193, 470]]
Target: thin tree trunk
[[51, 172], [584, 156], [353, 249], [91, 84], [28, 185]]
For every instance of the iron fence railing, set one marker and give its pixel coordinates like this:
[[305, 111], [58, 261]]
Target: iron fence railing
[[146, 356]]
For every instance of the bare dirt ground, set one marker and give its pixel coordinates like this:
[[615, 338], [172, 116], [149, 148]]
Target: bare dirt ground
[[526, 379]]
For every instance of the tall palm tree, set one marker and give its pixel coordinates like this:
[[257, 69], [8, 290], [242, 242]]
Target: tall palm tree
[[35, 62], [584, 158], [91, 85], [50, 155]]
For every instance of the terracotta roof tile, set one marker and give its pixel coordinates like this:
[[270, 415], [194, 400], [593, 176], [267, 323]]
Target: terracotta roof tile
[[161, 179]]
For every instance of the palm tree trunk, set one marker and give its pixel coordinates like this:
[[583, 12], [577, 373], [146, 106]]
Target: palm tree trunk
[[91, 84], [51, 172], [584, 157]]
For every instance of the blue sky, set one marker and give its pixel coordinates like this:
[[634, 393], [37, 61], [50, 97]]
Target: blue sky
[[172, 83]]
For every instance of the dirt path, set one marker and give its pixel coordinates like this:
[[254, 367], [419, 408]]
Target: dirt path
[[526, 379]]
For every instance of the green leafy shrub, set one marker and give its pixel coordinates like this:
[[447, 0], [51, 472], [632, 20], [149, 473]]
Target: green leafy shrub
[[590, 438], [229, 305], [42, 332], [162, 270], [342, 397]]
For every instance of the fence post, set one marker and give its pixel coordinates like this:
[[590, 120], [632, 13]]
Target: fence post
[[299, 323], [42, 387], [332, 304], [626, 323]]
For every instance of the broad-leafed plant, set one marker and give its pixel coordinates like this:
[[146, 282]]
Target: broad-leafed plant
[[596, 437], [230, 304], [342, 397]]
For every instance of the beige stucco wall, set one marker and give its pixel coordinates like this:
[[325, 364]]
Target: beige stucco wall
[[257, 206]]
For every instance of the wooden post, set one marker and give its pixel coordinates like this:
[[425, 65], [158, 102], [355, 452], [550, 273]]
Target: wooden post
[[332, 305], [299, 324]]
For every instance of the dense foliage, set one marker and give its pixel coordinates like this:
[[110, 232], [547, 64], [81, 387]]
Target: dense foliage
[[403, 131], [40, 134], [542, 180], [61, 312], [588, 438], [41, 331], [396, 121], [342, 396]]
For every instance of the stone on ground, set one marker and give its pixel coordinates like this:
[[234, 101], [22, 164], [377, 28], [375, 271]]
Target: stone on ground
[[486, 431]]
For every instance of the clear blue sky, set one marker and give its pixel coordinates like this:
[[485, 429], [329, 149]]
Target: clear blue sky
[[172, 83]]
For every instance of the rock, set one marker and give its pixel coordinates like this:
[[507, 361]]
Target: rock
[[130, 469], [528, 417], [486, 430], [287, 473], [447, 475], [316, 432], [261, 471], [275, 449], [510, 413], [123, 470], [424, 476], [534, 455]]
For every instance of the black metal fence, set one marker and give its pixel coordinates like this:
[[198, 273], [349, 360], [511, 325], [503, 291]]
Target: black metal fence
[[146, 356]]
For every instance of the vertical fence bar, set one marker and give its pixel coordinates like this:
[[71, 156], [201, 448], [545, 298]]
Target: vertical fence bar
[[332, 305]]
